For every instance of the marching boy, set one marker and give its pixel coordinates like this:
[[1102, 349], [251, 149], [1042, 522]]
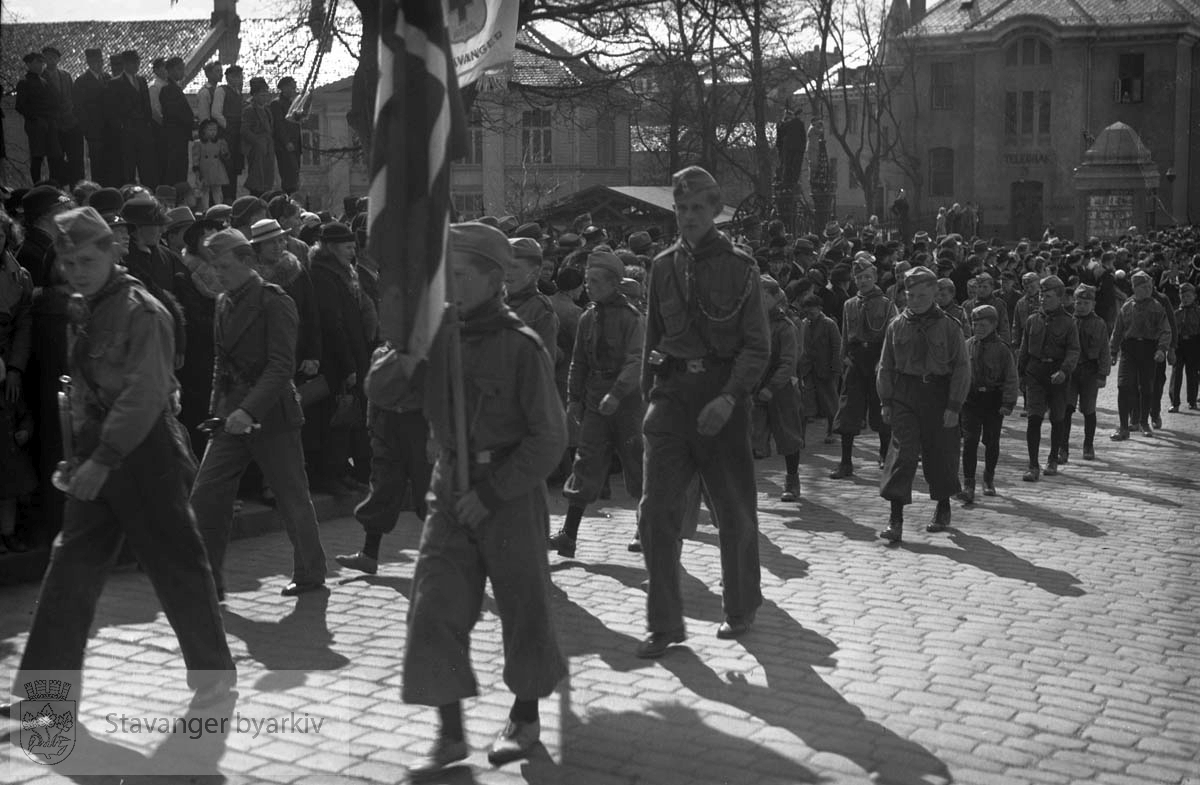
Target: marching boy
[[992, 397], [776, 401], [1048, 356], [922, 382], [820, 364], [1090, 375]]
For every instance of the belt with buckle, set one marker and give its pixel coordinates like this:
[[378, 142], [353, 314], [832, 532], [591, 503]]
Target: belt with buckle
[[927, 378], [696, 364]]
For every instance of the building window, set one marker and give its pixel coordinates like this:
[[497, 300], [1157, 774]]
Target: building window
[[1028, 51], [468, 205], [1027, 117], [941, 171], [851, 118], [474, 138], [606, 140], [943, 85], [536, 137], [1131, 74], [310, 141]]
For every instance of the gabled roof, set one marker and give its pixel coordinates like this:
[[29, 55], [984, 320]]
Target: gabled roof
[[955, 16], [557, 70]]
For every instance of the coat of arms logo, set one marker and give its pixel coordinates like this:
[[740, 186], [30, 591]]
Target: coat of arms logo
[[466, 19], [47, 721]]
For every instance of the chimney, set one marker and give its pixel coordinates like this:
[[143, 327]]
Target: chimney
[[225, 15], [916, 10]]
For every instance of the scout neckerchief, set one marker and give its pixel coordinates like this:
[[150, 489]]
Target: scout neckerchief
[[79, 312], [922, 322]]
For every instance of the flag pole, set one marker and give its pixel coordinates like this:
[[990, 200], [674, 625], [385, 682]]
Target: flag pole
[[462, 466]]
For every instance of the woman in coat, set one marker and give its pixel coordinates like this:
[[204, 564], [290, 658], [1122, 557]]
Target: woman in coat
[[258, 145]]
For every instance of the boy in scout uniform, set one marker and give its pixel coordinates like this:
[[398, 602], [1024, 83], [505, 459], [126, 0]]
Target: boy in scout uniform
[[985, 295], [1187, 363], [1048, 355], [534, 308], [1141, 337], [128, 476], [944, 299], [707, 346], [819, 366], [603, 395], [254, 396], [1090, 374], [992, 397], [865, 318], [923, 380], [776, 399], [495, 530]]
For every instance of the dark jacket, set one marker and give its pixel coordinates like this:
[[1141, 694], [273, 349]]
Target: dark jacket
[[89, 103], [345, 342]]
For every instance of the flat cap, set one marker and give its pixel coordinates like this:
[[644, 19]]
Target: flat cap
[[530, 229], [606, 260], [692, 180], [334, 232], [79, 226], [1085, 292], [179, 217], [640, 242], [39, 200], [143, 211], [863, 265], [1053, 282], [919, 275], [282, 207], [483, 242], [985, 277], [985, 312], [1029, 277], [220, 213], [569, 240], [226, 241], [526, 250], [804, 245], [244, 207]]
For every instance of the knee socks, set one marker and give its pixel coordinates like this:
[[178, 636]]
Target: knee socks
[[524, 711], [571, 524], [1057, 442], [847, 448], [1089, 429], [371, 545], [885, 439], [792, 462], [897, 512], [1124, 406], [450, 715], [1066, 429], [1033, 438]]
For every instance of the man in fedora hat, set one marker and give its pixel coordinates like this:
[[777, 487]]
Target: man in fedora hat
[[89, 92], [128, 115]]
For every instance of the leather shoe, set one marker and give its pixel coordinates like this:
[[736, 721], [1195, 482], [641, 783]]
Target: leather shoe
[[1120, 435], [443, 752], [893, 533], [734, 628], [843, 471], [635, 545], [563, 544], [1033, 474], [218, 691], [294, 588], [941, 519], [1089, 453], [1146, 431], [791, 488], [655, 644], [358, 561], [514, 742], [1051, 469], [1174, 409], [989, 487]]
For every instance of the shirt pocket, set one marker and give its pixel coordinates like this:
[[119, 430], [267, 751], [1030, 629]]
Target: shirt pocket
[[493, 395], [674, 315], [939, 346], [109, 347]]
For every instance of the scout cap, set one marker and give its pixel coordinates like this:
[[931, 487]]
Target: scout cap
[[640, 242], [919, 275], [1029, 277], [985, 312], [508, 223], [1141, 276], [482, 242], [606, 260], [693, 180], [266, 229], [526, 250], [226, 241], [1053, 282], [79, 227], [946, 283], [179, 217], [863, 265], [1085, 292]]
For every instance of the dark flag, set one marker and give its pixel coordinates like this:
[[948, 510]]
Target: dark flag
[[419, 129]]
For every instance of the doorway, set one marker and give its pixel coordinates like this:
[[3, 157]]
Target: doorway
[[1027, 218]]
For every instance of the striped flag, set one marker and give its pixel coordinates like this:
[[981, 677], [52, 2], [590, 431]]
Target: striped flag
[[419, 128]]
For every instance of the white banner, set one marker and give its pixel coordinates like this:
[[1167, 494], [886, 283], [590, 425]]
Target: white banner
[[483, 35]]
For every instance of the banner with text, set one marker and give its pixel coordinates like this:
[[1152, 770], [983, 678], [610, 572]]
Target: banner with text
[[483, 35]]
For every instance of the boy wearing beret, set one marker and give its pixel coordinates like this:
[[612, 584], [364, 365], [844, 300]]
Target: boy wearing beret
[[1048, 355], [922, 383], [602, 394], [1141, 337], [1090, 375], [1187, 321], [496, 529], [992, 397], [776, 400], [865, 317]]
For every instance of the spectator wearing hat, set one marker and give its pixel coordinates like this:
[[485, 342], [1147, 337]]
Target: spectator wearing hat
[[776, 413], [255, 398], [178, 122], [258, 139], [1140, 338], [38, 103], [923, 379], [128, 116], [1091, 373], [495, 530], [819, 365], [1160, 366], [287, 138], [276, 264], [347, 317], [129, 474], [602, 395], [89, 95], [992, 397], [245, 212], [291, 218], [527, 302], [864, 324], [67, 169], [227, 109], [699, 367], [1048, 356], [984, 295], [1187, 351], [178, 220]]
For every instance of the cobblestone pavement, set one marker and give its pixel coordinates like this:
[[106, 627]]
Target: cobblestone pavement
[[1050, 637]]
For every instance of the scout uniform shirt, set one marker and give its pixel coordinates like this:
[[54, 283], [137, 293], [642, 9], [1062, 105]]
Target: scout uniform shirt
[[1050, 337], [535, 310], [607, 354], [706, 303], [785, 348], [1094, 355], [925, 345], [1142, 320], [1187, 319], [993, 368], [121, 361], [865, 319]]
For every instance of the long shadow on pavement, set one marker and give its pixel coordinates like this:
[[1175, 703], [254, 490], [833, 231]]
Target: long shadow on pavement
[[990, 557], [1037, 514], [780, 563], [1122, 490], [818, 518], [300, 641]]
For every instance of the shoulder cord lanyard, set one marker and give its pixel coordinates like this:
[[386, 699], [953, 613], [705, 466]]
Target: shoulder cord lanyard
[[688, 289], [866, 315]]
